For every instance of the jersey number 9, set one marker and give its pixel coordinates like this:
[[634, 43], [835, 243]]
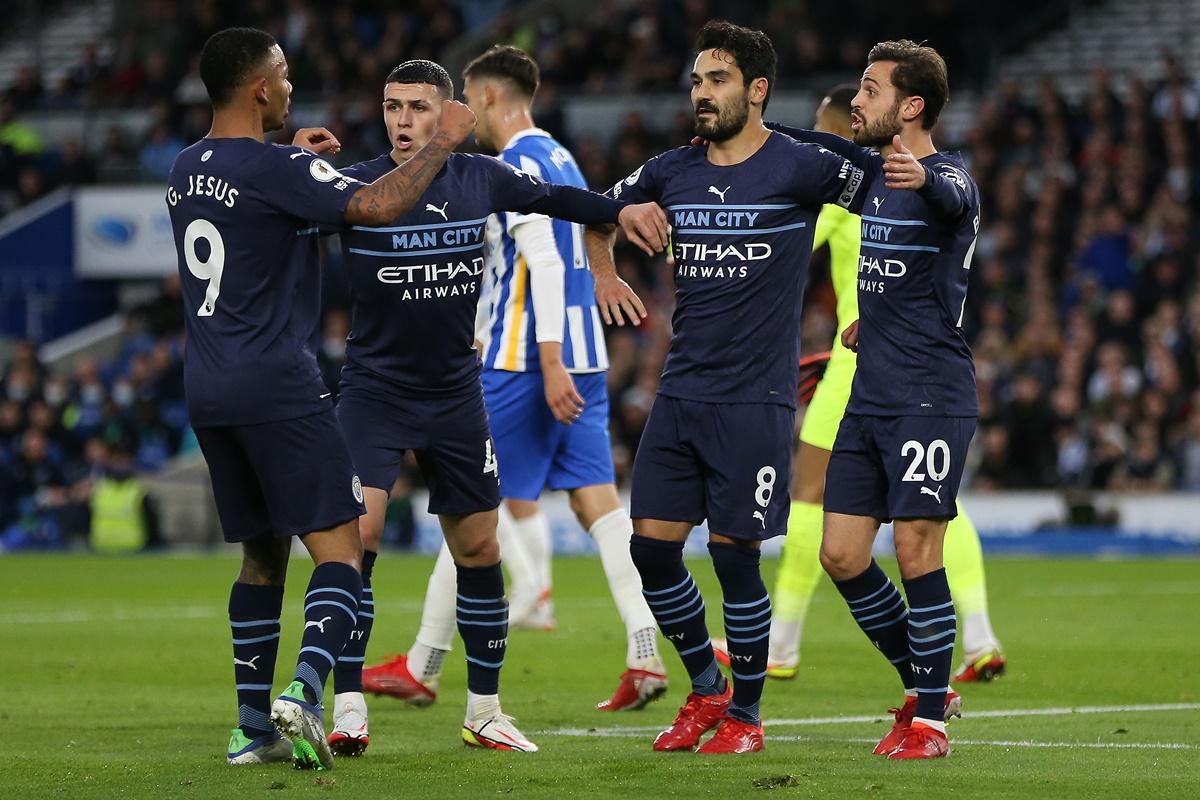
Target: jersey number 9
[[209, 269]]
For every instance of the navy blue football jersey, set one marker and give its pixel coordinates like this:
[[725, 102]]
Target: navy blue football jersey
[[245, 217], [913, 358], [415, 284], [742, 240]]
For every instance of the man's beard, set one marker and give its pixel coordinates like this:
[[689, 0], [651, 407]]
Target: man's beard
[[726, 125], [880, 132]]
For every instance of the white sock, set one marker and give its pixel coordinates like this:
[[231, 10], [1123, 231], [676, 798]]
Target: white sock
[[482, 706], [535, 535], [436, 634], [978, 637], [784, 644], [611, 534], [936, 724], [524, 578]]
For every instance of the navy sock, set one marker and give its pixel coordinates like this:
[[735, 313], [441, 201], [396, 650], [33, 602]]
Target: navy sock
[[678, 608], [879, 610], [931, 633], [330, 613], [347, 674], [747, 625], [254, 619], [482, 615]]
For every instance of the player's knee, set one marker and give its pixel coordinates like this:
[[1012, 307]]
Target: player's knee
[[264, 561], [917, 555], [476, 551], [842, 562]]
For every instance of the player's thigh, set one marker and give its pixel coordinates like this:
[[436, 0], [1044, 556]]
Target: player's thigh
[[306, 473], [747, 454], [241, 506], [668, 478], [924, 457], [584, 453], [856, 480], [378, 433], [523, 429], [459, 462]]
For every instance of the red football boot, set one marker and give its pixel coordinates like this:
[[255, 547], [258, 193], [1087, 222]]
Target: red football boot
[[982, 669], [699, 715], [921, 741], [394, 679], [904, 718], [734, 736], [637, 688]]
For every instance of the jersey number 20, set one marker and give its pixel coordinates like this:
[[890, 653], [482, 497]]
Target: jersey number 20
[[211, 268]]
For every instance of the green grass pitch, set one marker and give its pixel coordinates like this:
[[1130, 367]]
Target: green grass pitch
[[117, 683]]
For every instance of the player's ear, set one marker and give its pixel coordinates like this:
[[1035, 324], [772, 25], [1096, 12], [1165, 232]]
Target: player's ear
[[261, 95], [912, 107], [490, 93], [758, 90]]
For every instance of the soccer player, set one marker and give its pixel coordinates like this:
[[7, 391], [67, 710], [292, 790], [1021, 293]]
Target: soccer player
[[279, 464], [901, 445], [411, 379], [717, 445], [544, 384], [800, 567]]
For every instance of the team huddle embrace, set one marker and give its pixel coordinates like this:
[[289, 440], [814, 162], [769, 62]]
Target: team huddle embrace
[[480, 289]]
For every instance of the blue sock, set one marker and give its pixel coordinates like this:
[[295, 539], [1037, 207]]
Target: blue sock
[[747, 625], [347, 674], [678, 608], [879, 610], [254, 619], [330, 613], [931, 632], [482, 615]]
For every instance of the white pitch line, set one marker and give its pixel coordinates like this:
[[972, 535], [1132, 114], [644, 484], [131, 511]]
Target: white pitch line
[[853, 720]]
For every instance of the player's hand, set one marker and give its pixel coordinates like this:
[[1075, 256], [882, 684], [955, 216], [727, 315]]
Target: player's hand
[[850, 337], [617, 301], [456, 120], [646, 226], [319, 140], [564, 399], [901, 170]]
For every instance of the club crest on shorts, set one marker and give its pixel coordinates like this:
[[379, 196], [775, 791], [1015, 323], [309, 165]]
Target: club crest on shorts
[[356, 487]]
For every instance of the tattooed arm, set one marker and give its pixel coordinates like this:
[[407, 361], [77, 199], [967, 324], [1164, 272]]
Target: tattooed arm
[[388, 197]]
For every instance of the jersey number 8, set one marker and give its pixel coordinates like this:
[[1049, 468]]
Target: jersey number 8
[[211, 268]]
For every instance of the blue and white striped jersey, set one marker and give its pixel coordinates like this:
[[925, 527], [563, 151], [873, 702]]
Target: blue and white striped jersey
[[509, 335]]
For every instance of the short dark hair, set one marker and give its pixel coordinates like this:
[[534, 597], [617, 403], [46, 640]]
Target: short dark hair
[[920, 71], [228, 58], [841, 96], [508, 62], [751, 50], [421, 71]]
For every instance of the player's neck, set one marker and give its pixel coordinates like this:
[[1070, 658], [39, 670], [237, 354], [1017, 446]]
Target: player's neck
[[739, 148], [233, 124], [918, 141], [510, 121]]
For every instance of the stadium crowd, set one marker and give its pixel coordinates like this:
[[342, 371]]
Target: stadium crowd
[[1084, 309]]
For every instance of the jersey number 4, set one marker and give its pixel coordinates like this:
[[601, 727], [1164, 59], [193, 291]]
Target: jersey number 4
[[209, 269]]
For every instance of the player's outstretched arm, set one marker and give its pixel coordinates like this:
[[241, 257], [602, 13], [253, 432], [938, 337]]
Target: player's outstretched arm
[[388, 197], [830, 141], [947, 195], [617, 301]]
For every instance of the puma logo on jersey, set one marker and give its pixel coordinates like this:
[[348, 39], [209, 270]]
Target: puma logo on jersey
[[489, 460], [718, 192], [237, 662], [320, 625], [758, 515], [878, 201], [436, 210], [294, 156], [936, 495]]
